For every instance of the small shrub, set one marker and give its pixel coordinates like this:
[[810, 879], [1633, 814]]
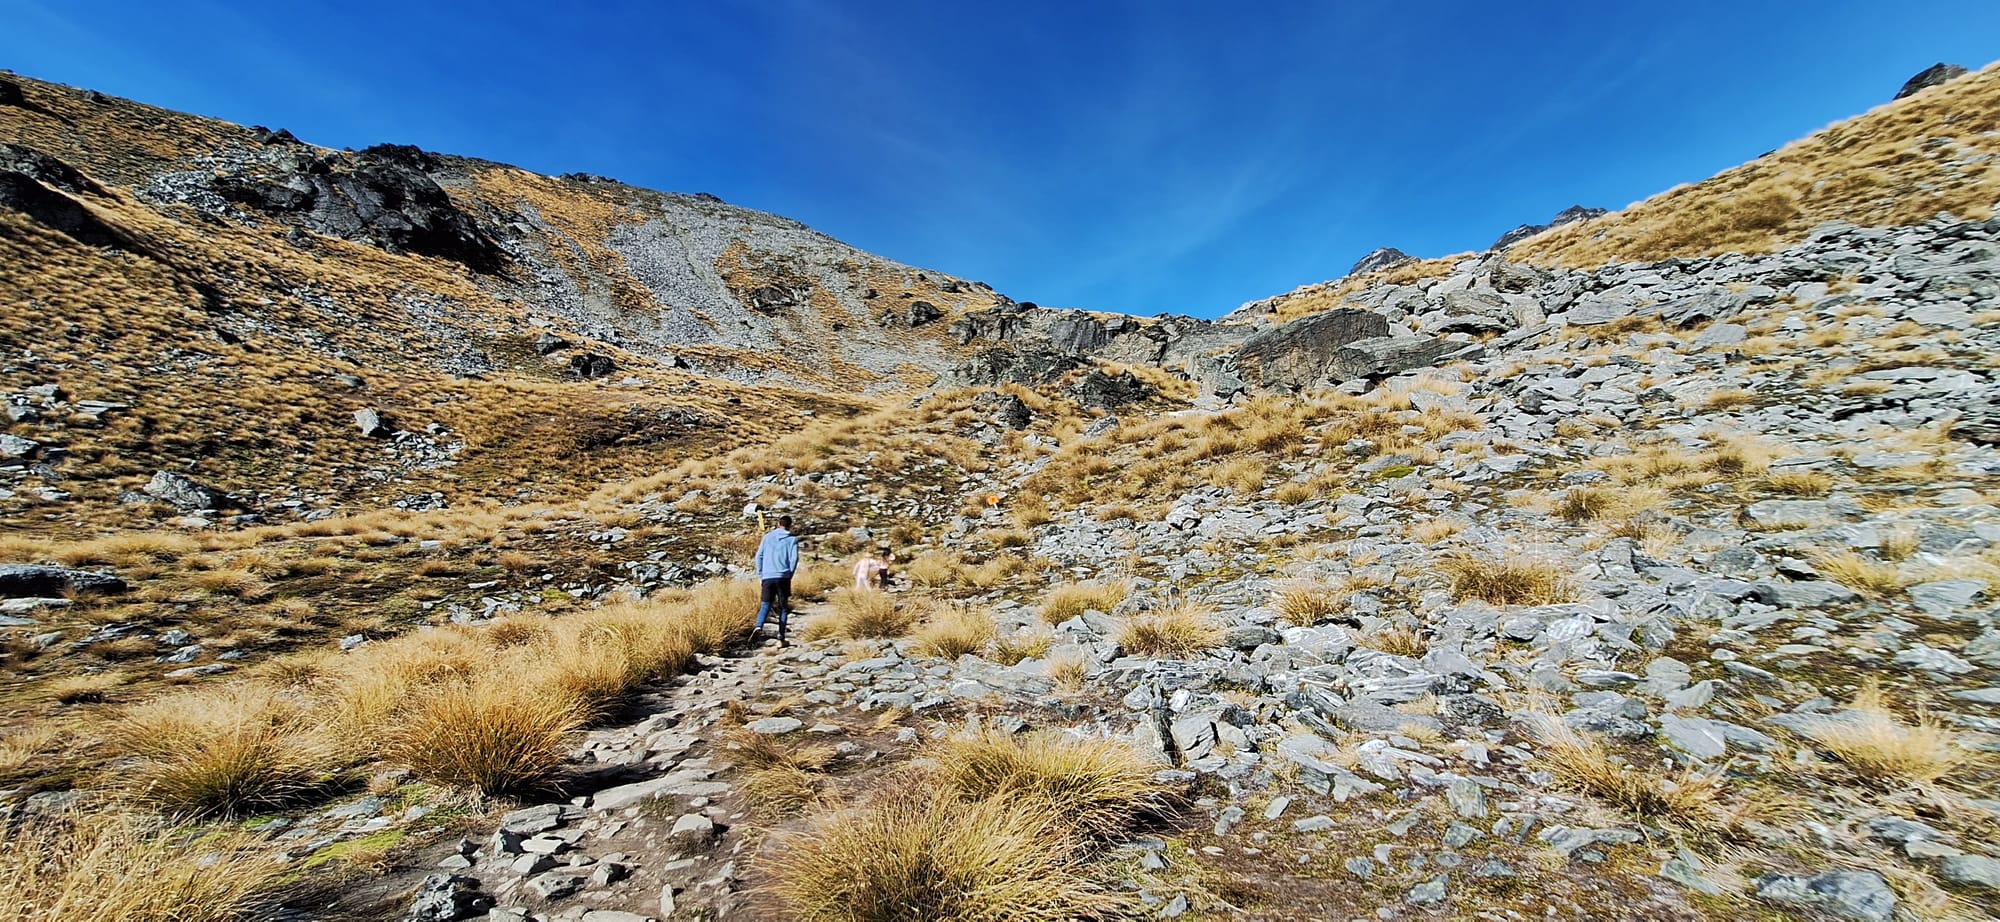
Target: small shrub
[[953, 631], [1179, 631], [1068, 600], [1506, 582]]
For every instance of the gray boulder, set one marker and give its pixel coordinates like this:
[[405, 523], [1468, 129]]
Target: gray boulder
[[184, 493], [447, 898], [1296, 354], [370, 422], [1860, 895]]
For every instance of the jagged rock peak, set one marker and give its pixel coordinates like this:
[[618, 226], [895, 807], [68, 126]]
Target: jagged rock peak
[[1380, 258], [1570, 215], [1931, 76]]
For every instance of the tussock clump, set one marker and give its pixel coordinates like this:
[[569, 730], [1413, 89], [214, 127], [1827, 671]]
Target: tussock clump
[[1798, 483], [221, 751], [1586, 766], [1875, 743], [108, 868], [1068, 600], [953, 631], [1013, 648], [1871, 578], [914, 855], [935, 569], [1399, 639], [1506, 582], [816, 580], [1069, 673], [782, 779], [85, 687], [1094, 787], [1307, 603], [862, 615], [1179, 631], [499, 736]]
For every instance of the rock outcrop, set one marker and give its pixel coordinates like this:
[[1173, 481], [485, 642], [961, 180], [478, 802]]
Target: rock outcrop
[[1931, 76]]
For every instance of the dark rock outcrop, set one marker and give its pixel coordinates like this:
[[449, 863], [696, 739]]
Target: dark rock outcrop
[[1018, 366], [54, 210], [1101, 390], [549, 343], [384, 195], [46, 170], [1296, 354], [1570, 215], [1380, 258], [591, 365], [33, 581], [10, 94], [1931, 76]]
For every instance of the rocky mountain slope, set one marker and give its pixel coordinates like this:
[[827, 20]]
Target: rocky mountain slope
[[1491, 587]]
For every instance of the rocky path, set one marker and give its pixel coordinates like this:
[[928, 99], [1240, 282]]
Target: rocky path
[[666, 828]]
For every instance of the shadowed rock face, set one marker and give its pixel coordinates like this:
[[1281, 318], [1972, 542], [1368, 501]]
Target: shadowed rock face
[[1931, 76], [385, 195], [1296, 354], [20, 192]]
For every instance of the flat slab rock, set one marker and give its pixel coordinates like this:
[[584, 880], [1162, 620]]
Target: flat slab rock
[[1862, 895]]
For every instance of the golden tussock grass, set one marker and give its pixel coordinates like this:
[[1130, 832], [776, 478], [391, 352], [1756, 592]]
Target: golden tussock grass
[[1519, 581], [1293, 492], [1869, 577], [935, 569], [1876, 169], [912, 855], [952, 631], [1064, 601], [1399, 639], [1094, 787], [24, 745], [1068, 673], [223, 750], [1024, 645], [494, 733], [1431, 531], [862, 614], [1798, 483], [1879, 746], [111, 868], [85, 686], [1178, 631], [1306, 603], [783, 778], [1584, 765]]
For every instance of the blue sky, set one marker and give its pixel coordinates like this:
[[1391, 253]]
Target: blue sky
[[1144, 157]]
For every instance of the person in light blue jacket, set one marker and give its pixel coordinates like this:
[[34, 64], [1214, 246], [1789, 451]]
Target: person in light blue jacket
[[777, 559]]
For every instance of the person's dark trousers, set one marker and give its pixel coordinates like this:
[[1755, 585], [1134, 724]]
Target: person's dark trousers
[[776, 599]]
